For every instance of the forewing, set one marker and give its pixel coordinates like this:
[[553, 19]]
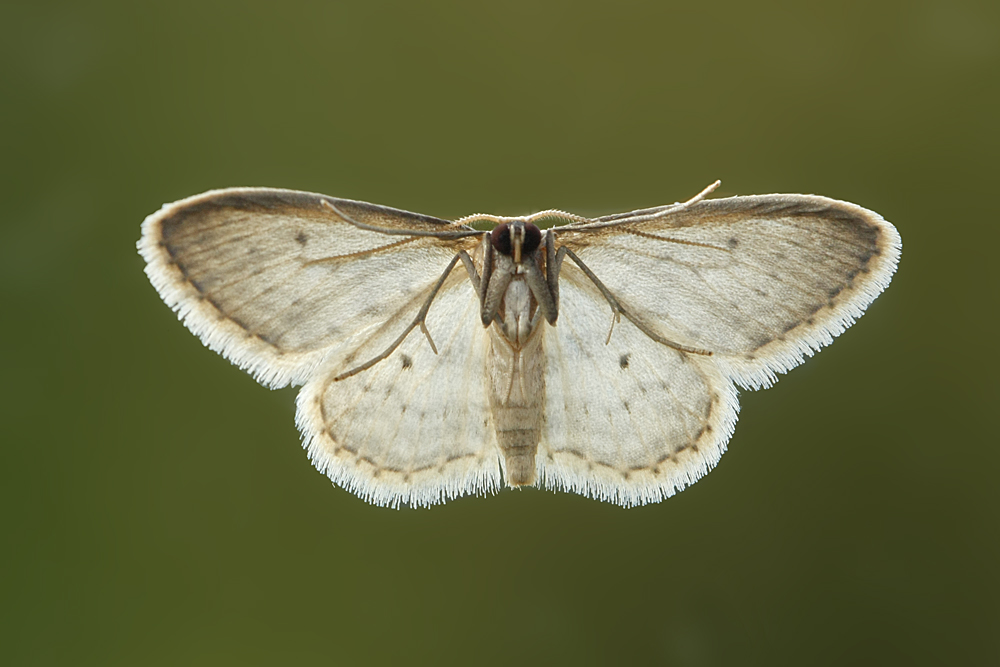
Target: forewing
[[414, 428], [632, 421], [276, 282], [760, 282]]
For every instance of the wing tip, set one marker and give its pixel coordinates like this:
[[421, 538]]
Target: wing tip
[[831, 321], [200, 316]]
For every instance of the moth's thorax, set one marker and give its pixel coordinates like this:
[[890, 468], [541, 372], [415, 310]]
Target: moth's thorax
[[519, 307]]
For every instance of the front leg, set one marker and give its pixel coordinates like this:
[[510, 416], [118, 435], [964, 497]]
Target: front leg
[[494, 288], [479, 282], [617, 310], [545, 288], [553, 263], [541, 289], [489, 300]]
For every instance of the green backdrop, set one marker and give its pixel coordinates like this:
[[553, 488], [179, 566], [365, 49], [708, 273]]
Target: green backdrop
[[157, 506]]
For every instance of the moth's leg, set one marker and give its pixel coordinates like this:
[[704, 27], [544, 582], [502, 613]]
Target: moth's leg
[[455, 233], [545, 288], [481, 282], [417, 321], [500, 278], [541, 289], [553, 262], [487, 245], [617, 310], [470, 268]]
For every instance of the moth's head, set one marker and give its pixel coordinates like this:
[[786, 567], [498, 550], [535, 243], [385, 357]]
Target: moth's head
[[515, 238]]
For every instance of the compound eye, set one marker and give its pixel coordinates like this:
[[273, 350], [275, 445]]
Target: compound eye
[[532, 239], [500, 238]]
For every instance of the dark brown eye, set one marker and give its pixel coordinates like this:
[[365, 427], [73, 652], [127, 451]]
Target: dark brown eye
[[500, 238], [532, 237]]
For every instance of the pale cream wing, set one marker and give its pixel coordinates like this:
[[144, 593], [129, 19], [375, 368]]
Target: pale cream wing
[[761, 282], [276, 282], [632, 421], [414, 428]]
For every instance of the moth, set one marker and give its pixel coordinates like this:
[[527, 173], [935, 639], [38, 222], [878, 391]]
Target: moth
[[597, 356]]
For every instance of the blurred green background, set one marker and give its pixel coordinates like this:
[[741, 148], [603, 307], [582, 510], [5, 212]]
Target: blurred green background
[[157, 506]]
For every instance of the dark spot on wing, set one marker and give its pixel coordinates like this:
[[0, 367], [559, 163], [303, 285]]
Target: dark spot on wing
[[733, 242], [407, 361], [623, 360], [301, 238]]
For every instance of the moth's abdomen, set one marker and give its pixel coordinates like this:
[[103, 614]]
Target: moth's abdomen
[[518, 444], [517, 398]]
